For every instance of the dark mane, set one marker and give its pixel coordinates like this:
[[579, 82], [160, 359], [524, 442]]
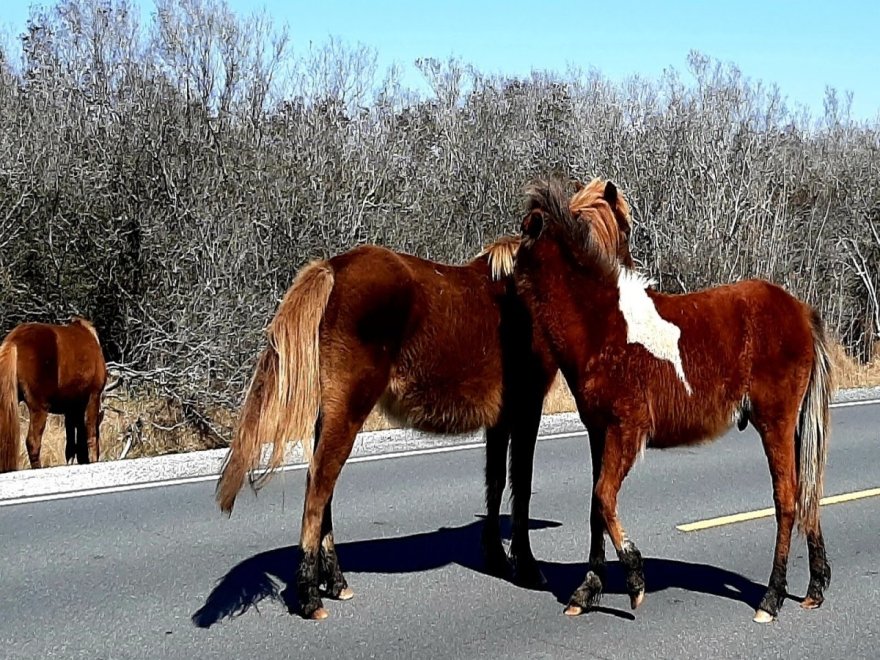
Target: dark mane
[[575, 234]]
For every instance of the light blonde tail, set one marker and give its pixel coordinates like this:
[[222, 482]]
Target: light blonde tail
[[812, 432], [8, 407], [284, 397]]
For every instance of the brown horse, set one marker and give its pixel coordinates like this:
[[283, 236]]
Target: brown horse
[[656, 370], [55, 369], [442, 348]]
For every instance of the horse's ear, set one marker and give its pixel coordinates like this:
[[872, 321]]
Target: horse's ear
[[610, 194], [533, 223]]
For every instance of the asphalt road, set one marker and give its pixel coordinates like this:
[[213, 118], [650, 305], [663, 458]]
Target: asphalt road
[[129, 574]]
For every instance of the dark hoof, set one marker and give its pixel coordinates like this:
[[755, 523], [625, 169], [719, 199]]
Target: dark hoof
[[762, 616], [527, 574], [770, 605], [812, 602], [637, 599], [586, 596], [345, 593], [497, 564], [314, 611], [319, 614], [336, 587]]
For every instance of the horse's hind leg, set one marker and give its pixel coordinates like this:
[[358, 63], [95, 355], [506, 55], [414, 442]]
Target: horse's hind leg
[[780, 449], [82, 447], [90, 423], [35, 435], [331, 573], [497, 440], [524, 436], [70, 437], [344, 412], [337, 439], [820, 569], [620, 451]]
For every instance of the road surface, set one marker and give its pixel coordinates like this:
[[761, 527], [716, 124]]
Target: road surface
[[159, 573]]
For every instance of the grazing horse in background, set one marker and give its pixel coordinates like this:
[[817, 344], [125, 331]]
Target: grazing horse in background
[[56, 369], [657, 370], [446, 349]]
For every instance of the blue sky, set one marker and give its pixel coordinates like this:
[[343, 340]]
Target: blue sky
[[801, 46]]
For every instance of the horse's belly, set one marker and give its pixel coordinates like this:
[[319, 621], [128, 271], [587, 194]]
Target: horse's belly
[[688, 433], [443, 407]]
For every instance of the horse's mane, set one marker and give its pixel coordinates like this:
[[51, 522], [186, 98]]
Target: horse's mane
[[592, 243], [592, 196], [502, 256]]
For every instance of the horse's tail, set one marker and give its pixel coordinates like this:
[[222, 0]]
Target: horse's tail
[[284, 396], [812, 431], [8, 407]]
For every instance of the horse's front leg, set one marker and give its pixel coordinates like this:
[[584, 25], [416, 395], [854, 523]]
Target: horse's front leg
[[497, 439], [524, 436], [619, 453], [588, 595]]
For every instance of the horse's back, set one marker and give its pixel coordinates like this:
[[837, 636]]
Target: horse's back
[[409, 296]]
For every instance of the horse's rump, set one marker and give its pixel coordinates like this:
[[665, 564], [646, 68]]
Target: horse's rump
[[58, 365]]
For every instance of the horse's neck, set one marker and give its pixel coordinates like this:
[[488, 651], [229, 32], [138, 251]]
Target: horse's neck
[[580, 304]]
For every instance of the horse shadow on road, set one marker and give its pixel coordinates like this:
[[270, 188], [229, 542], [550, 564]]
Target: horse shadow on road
[[272, 574]]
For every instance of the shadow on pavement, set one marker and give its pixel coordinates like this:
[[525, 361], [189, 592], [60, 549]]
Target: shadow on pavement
[[272, 574]]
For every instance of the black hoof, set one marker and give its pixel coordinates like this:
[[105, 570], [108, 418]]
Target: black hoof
[[771, 603], [527, 574], [496, 562], [313, 610], [586, 596], [338, 589]]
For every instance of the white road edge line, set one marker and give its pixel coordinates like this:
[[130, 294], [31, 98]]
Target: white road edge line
[[147, 485], [850, 404]]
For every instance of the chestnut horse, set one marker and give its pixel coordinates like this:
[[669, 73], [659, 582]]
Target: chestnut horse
[[55, 369], [446, 349], [657, 370]]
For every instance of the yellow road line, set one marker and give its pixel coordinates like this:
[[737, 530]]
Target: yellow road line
[[763, 513]]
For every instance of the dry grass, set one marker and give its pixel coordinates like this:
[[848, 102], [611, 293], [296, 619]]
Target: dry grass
[[151, 426], [157, 427], [849, 373]]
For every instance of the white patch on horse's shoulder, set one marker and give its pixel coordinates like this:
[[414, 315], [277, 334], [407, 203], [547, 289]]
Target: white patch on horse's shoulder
[[645, 326]]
